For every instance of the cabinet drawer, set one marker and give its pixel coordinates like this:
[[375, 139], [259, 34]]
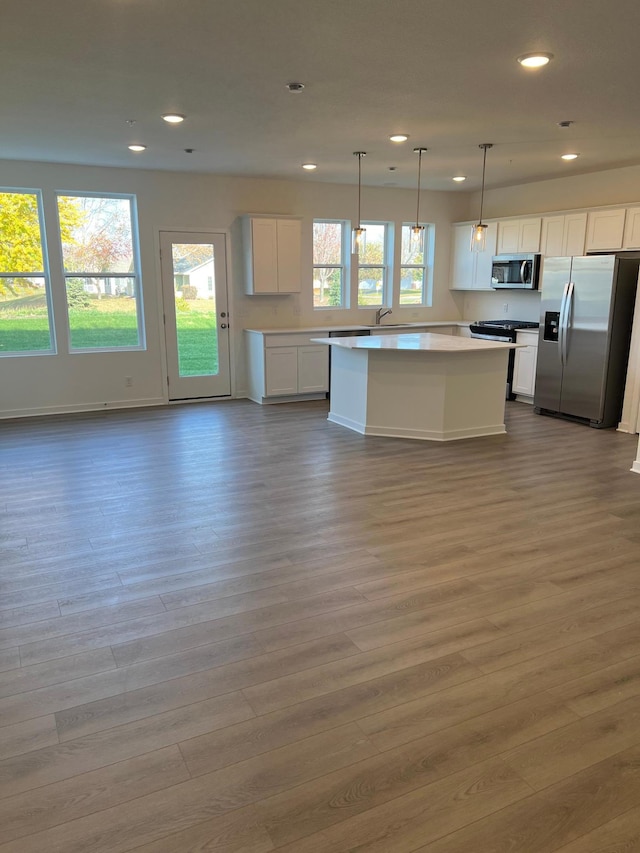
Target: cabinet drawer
[[292, 340]]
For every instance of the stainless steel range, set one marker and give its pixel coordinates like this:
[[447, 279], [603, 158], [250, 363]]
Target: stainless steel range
[[504, 331]]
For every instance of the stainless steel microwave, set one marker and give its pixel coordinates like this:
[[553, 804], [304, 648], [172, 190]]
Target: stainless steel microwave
[[515, 272]]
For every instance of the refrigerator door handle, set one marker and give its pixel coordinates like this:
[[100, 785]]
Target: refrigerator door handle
[[567, 314], [561, 326]]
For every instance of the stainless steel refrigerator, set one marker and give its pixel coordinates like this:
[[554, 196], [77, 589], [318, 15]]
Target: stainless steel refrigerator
[[585, 332]]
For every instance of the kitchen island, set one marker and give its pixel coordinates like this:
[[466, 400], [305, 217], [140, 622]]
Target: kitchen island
[[423, 386]]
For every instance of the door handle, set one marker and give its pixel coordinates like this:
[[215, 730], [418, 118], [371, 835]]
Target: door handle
[[567, 312], [561, 329]]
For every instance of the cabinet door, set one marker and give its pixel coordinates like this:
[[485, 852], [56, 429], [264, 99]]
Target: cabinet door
[[289, 267], [281, 367], [632, 229], [524, 371], [483, 260], [264, 251], [575, 233], [462, 258], [313, 369], [605, 230], [529, 235], [508, 237], [552, 241]]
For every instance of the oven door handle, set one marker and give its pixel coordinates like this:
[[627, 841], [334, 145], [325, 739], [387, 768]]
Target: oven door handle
[[498, 338]]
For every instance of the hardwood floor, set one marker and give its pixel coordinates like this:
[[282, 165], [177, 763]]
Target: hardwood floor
[[243, 629]]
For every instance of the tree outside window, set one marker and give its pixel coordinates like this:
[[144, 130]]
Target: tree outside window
[[328, 264]]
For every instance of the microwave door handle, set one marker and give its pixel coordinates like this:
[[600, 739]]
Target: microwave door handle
[[523, 269]]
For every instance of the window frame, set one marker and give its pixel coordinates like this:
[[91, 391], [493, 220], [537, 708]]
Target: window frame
[[136, 274], [44, 274], [428, 254], [344, 267], [386, 266]]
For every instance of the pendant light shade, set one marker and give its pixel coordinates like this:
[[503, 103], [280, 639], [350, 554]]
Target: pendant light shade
[[479, 231], [358, 235], [417, 230]]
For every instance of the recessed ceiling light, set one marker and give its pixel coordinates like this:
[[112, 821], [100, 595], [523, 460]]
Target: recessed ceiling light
[[569, 156], [535, 60], [295, 87], [309, 166], [399, 137], [173, 118], [136, 147], [459, 178]]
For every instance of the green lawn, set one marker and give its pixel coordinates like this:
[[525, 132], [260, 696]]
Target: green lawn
[[99, 329]]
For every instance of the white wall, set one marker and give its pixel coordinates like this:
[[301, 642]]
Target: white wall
[[174, 201]]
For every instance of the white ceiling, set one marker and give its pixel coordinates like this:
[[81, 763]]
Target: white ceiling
[[443, 71]]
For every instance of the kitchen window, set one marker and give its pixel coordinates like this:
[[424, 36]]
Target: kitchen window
[[101, 271], [25, 299], [416, 267], [372, 266], [329, 268]]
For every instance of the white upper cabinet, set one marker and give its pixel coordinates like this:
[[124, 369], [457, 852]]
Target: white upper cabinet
[[519, 235], [563, 235], [272, 255], [605, 230], [631, 239], [471, 270]]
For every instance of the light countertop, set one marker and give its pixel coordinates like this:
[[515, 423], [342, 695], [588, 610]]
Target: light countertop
[[425, 342], [348, 327]]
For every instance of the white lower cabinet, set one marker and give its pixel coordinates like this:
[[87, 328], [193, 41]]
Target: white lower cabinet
[[286, 366], [524, 371]]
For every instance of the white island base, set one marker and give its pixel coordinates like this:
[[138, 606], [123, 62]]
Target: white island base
[[429, 387]]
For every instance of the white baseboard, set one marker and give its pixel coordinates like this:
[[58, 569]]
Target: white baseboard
[[636, 467], [419, 434], [82, 407]]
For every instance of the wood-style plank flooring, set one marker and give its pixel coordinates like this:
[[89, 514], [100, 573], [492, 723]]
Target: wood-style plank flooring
[[227, 627]]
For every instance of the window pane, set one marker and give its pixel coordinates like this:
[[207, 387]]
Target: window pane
[[195, 303], [102, 312], [20, 233], [96, 234], [412, 286], [412, 250], [327, 243], [24, 315], [370, 286], [327, 287], [373, 252]]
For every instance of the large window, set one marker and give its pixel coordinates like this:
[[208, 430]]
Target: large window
[[329, 271], [372, 266], [25, 309], [99, 253], [416, 267]]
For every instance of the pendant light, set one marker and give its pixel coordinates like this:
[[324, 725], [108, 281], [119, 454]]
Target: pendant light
[[417, 230], [479, 231], [358, 234]]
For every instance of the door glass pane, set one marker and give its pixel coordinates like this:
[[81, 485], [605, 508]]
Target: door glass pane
[[195, 301]]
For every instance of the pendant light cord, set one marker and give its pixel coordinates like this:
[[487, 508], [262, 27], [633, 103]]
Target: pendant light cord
[[418, 202], [359, 186], [485, 146]]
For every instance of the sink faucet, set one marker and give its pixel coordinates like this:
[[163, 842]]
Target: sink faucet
[[382, 312]]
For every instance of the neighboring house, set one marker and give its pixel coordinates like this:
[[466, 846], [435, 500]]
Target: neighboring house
[[201, 277]]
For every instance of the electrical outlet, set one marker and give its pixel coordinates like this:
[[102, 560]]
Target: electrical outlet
[[128, 381], [505, 308]]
